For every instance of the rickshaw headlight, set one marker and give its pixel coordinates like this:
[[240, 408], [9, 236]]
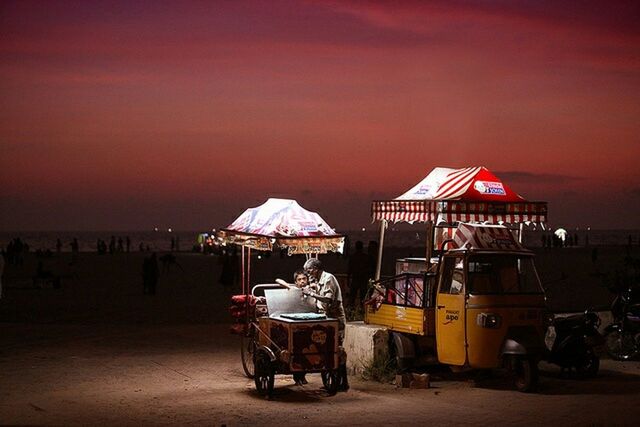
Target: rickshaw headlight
[[489, 320]]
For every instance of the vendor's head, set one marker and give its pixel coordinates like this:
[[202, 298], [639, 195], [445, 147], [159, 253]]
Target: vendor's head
[[300, 278], [313, 267]]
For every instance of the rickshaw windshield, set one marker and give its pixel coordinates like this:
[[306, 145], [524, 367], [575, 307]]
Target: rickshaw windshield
[[503, 274]]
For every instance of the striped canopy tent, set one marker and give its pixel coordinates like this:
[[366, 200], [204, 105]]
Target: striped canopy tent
[[471, 194], [447, 197], [282, 223]]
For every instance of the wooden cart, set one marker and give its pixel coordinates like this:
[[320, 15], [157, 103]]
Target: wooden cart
[[289, 343]]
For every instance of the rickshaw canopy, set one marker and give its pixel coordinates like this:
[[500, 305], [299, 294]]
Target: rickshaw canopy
[[471, 194], [282, 223], [477, 237]]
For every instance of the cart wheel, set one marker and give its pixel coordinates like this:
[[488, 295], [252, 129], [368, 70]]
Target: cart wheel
[[264, 373], [330, 381], [247, 350]]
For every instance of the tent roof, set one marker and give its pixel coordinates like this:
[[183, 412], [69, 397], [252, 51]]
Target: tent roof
[[470, 184], [285, 223], [460, 195]]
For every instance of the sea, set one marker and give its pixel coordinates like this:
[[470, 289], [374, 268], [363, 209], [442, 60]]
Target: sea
[[161, 240]]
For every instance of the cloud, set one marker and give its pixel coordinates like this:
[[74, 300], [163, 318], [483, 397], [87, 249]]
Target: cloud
[[536, 178]]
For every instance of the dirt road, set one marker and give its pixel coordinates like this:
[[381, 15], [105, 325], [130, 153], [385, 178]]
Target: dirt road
[[113, 374]]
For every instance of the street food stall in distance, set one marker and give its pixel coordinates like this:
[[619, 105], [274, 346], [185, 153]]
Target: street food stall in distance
[[280, 330]]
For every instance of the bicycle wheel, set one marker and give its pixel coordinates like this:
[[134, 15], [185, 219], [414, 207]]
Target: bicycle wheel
[[247, 350]]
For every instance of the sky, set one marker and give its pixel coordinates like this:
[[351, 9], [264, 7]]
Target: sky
[[136, 114]]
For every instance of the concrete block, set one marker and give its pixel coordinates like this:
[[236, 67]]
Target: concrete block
[[363, 343], [412, 380], [419, 381]]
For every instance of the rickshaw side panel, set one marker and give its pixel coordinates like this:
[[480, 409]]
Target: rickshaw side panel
[[515, 312], [307, 345], [410, 320]]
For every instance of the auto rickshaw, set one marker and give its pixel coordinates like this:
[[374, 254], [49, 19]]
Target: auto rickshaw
[[480, 306]]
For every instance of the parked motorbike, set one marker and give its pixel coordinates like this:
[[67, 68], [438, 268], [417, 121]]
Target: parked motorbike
[[573, 348], [623, 335]]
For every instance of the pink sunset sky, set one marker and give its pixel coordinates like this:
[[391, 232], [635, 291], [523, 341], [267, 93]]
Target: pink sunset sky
[[133, 114]]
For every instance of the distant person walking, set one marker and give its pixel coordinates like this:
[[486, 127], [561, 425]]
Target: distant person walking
[[112, 245], [58, 246], [128, 243]]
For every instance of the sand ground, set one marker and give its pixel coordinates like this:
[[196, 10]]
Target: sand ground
[[99, 352]]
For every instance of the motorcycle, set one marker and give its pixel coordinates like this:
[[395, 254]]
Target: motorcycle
[[573, 347], [623, 335]]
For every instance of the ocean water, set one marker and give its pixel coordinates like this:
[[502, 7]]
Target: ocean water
[[161, 240]]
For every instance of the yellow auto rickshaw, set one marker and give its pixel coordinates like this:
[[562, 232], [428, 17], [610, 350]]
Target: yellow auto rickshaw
[[480, 305]]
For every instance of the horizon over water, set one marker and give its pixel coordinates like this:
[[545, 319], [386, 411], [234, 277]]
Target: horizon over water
[[161, 240]]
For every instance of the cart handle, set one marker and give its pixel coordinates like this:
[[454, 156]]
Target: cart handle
[[257, 327], [265, 286]]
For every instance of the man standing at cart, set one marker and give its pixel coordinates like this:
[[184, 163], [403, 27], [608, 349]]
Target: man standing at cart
[[329, 301]]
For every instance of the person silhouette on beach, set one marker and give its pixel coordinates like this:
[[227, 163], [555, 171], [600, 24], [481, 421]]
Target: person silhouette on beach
[[75, 249]]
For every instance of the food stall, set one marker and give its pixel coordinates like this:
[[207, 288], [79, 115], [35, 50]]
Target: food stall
[[279, 328], [445, 199]]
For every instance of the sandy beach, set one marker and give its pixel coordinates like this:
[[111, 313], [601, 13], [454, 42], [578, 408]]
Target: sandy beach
[[99, 351]]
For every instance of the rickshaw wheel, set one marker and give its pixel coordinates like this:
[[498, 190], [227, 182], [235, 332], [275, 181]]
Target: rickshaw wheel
[[247, 350], [264, 373], [525, 373], [330, 381]]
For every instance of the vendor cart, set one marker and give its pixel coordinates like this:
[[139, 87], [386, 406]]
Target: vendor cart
[[279, 328], [287, 336]]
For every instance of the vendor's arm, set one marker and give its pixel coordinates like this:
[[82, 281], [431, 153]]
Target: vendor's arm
[[327, 298]]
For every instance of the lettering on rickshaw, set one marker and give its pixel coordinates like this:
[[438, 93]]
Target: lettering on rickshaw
[[451, 316]]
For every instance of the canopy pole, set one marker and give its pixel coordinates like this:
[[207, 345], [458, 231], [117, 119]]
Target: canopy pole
[[383, 226], [242, 270], [520, 231], [429, 253], [248, 268]]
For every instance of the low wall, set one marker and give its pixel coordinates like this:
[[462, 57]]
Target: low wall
[[363, 343]]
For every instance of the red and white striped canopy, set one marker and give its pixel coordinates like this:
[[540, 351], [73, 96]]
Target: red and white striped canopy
[[485, 237], [472, 194]]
